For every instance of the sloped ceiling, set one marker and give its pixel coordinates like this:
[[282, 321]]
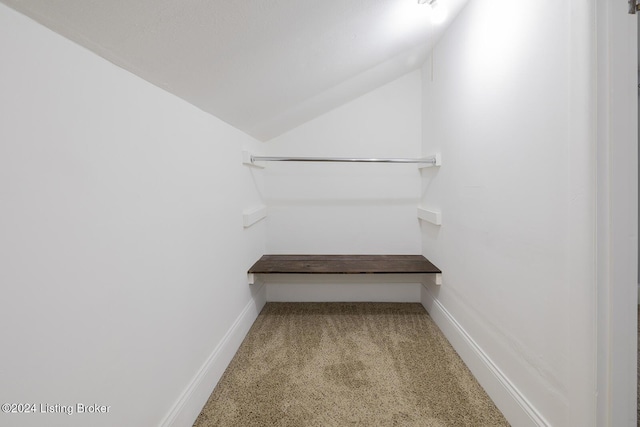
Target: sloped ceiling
[[263, 66]]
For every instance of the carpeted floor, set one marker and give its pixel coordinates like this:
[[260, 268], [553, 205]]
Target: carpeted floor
[[347, 364]]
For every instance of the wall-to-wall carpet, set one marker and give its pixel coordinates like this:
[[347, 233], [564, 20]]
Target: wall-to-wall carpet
[[337, 364]]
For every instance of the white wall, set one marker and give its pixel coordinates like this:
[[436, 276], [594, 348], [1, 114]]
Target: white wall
[[502, 104], [123, 254], [617, 165], [348, 208], [352, 207]]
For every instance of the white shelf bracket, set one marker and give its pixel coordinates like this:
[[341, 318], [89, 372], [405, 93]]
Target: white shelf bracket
[[253, 215], [255, 279], [432, 279], [433, 217]]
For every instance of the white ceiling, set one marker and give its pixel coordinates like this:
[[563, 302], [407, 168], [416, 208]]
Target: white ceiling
[[264, 66]]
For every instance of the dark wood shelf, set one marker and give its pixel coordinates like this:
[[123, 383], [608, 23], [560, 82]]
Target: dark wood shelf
[[343, 264]]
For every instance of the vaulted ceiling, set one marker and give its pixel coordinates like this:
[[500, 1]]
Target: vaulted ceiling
[[263, 66]]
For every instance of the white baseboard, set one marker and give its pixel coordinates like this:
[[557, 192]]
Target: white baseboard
[[185, 411], [515, 407]]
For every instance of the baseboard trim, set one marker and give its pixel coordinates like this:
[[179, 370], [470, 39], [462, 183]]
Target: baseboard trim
[[511, 402], [187, 408]]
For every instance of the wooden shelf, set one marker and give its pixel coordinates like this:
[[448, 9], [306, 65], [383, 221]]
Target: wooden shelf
[[343, 264]]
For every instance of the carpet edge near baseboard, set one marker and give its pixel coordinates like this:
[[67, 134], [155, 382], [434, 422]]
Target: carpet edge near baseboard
[[191, 401], [518, 410]]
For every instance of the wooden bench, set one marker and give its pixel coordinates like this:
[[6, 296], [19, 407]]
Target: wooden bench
[[344, 264]]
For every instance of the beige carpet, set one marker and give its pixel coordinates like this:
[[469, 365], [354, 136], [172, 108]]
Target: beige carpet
[[347, 364]]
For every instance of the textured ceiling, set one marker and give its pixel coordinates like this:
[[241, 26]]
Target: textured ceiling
[[264, 66]]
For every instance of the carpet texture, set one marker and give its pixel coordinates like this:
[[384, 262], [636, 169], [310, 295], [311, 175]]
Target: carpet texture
[[347, 364]]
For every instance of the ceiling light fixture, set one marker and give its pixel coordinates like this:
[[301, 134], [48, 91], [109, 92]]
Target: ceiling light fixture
[[438, 13]]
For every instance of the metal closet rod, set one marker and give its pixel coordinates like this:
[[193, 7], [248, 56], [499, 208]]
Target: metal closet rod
[[426, 160]]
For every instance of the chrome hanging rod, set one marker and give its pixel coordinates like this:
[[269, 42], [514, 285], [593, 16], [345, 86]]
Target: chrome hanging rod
[[427, 160]]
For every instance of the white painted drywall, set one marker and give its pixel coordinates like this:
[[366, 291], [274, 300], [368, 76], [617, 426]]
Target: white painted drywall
[[504, 105], [348, 208], [617, 204], [264, 68], [122, 249], [343, 287]]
